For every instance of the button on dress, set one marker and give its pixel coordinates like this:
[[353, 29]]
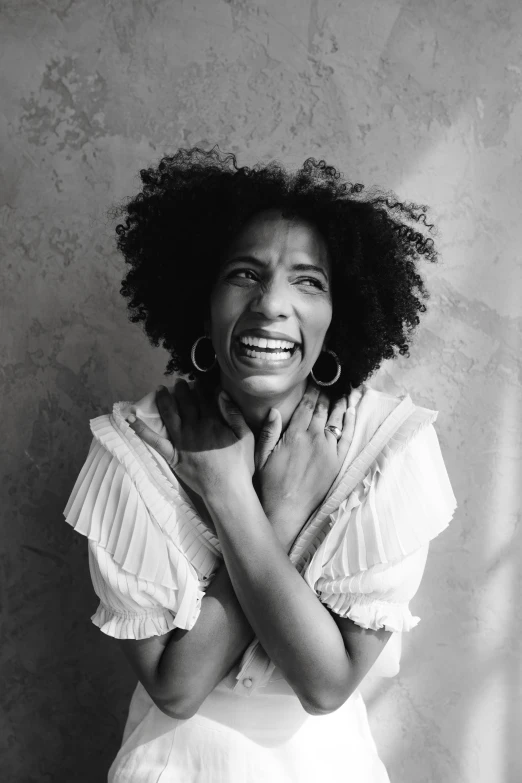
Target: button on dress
[[363, 553]]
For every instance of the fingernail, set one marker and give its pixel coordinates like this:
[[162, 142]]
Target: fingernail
[[272, 415], [131, 418]]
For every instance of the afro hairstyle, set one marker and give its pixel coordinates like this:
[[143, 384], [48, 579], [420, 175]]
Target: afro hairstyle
[[175, 232]]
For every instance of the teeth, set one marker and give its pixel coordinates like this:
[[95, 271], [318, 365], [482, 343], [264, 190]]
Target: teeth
[[273, 357], [263, 342]]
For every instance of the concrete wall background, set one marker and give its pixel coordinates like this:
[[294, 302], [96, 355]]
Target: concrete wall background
[[423, 97]]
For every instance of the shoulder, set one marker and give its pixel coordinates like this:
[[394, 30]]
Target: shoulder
[[385, 417], [396, 495], [376, 402], [144, 408], [126, 503]]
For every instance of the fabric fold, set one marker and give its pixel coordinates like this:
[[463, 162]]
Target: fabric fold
[[106, 506], [368, 612], [173, 515], [133, 626], [362, 552], [164, 495], [404, 501]]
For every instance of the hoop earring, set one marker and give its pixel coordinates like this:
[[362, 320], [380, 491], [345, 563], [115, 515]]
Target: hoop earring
[[193, 355], [337, 374]]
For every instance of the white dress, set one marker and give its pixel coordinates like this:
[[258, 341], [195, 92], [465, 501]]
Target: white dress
[[363, 553]]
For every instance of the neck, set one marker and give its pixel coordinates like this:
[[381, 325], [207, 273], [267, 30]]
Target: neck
[[255, 409]]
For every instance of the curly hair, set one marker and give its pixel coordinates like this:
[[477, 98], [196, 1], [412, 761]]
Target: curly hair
[[192, 204]]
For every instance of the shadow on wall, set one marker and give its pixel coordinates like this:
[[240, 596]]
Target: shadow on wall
[[66, 693], [471, 678]]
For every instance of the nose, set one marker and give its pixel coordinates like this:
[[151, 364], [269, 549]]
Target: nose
[[272, 301]]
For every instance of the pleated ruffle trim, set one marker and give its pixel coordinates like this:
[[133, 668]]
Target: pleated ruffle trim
[[123, 502], [133, 626], [169, 489], [115, 504], [403, 502], [368, 612]]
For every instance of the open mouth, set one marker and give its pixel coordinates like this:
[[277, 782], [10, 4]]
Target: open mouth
[[266, 349]]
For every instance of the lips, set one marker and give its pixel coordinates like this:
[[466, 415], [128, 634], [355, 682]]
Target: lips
[[270, 354], [265, 350]]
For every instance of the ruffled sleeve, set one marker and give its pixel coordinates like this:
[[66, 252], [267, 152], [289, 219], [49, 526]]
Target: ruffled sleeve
[[371, 562], [145, 584]]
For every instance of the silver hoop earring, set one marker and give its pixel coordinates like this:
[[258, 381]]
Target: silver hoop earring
[[337, 374], [193, 355]]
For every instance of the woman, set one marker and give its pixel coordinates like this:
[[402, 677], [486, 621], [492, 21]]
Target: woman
[[255, 535]]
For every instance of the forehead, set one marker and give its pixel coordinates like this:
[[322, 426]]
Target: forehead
[[270, 237]]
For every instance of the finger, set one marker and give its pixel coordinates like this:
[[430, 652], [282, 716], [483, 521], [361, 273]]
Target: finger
[[336, 419], [187, 402], [302, 415], [168, 410], [268, 437], [232, 415], [337, 411], [204, 402], [320, 416], [162, 445], [347, 435]]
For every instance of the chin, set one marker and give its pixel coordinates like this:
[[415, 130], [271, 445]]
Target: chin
[[267, 386]]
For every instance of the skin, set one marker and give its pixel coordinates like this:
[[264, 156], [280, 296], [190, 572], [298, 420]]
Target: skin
[[258, 458], [260, 286]]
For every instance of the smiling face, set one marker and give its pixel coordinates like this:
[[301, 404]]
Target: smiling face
[[271, 307]]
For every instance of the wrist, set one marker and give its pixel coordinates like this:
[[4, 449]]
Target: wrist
[[285, 536], [229, 493], [281, 512], [286, 523]]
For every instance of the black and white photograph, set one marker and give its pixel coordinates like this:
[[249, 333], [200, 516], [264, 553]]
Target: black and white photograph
[[261, 316]]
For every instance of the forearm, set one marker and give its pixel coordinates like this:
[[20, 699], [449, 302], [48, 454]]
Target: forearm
[[194, 661], [294, 628]]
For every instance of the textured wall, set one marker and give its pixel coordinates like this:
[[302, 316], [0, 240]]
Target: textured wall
[[423, 97]]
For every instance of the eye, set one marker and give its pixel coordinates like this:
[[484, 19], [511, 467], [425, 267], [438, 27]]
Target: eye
[[242, 274], [314, 281]]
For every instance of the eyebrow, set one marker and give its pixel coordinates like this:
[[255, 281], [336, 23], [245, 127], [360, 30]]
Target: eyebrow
[[297, 267]]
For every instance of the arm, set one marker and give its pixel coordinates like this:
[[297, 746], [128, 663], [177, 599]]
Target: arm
[[174, 683], [181, 668], [297, 631]]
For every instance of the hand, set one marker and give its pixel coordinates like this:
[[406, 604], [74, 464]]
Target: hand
[[294, 472], [208, 440]]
